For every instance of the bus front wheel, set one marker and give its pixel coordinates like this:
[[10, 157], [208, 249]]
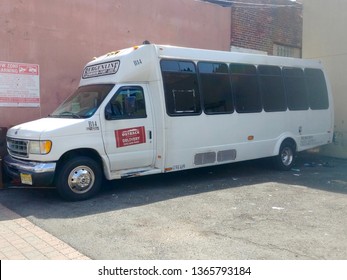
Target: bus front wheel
[[286, 156], [79, 178]]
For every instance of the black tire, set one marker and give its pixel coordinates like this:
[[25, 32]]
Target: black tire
[[79, 178], [286, 156]]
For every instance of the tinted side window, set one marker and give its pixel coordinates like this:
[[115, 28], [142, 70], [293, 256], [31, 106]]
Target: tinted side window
[[317, 89], [127, 103], [245, 88], [182, 95], [215, 87], [272, 89], [294, 83]]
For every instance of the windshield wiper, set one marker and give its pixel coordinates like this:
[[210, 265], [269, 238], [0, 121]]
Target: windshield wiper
[[66, 114]]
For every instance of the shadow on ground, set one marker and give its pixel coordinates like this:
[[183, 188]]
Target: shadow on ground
[[311, 170]]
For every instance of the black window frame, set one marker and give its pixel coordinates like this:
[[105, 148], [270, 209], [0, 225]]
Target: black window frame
[[316, 101], [219, 71], [240, 71], [116, 111], [267, 75], [172, 69], [293, 103]]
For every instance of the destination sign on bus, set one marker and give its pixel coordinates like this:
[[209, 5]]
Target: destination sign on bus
[[101, 69]]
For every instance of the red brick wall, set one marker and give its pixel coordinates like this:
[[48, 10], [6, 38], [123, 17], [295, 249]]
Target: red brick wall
[[261, 25]]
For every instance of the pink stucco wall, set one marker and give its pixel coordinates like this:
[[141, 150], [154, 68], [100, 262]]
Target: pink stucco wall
[[62, 35]]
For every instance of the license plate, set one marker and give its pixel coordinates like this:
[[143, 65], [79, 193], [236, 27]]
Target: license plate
[[26, 179]]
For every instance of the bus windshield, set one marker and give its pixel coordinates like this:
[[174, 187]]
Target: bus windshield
[[83, 102]]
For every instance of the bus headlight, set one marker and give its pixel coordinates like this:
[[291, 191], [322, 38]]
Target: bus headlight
[[40, 147]]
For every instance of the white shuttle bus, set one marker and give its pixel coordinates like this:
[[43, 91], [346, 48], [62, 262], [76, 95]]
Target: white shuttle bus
[[153, 109]]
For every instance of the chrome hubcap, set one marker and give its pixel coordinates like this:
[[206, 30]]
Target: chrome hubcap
[[81, 179], [287, 156]]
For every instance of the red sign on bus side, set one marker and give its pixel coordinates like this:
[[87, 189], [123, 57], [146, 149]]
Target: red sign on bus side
[[130, 136]]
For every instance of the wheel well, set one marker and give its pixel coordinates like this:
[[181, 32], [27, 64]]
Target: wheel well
[[291, 142], [80, 152]]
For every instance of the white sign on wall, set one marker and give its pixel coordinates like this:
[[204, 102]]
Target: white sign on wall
[[19, 85]]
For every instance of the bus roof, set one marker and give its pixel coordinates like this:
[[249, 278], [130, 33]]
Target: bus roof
[[174, 52], [141, 63], [195, 54]]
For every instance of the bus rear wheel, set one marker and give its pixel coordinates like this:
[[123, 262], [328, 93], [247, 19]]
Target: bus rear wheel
[[286, 156], [79, 178]]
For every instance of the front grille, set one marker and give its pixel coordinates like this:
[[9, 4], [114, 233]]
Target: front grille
[[17, 147]]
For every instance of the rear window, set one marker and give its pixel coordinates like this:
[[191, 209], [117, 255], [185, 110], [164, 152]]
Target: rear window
[[317, 89]]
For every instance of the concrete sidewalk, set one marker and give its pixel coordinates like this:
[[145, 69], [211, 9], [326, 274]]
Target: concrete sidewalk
[[22, 240]]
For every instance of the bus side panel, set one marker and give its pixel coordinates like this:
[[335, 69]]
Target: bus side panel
[[317, 131], [195, 141], [242, 136]]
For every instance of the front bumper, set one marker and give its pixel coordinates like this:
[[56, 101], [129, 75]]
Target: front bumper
[[30, 172]]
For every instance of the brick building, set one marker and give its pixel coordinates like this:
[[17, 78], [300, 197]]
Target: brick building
[[61, 36], [270, 26]]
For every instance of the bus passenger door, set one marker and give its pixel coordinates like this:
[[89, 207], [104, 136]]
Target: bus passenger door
[[128, 128]]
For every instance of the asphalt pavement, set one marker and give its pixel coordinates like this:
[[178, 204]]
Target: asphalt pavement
[[237, 211]]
